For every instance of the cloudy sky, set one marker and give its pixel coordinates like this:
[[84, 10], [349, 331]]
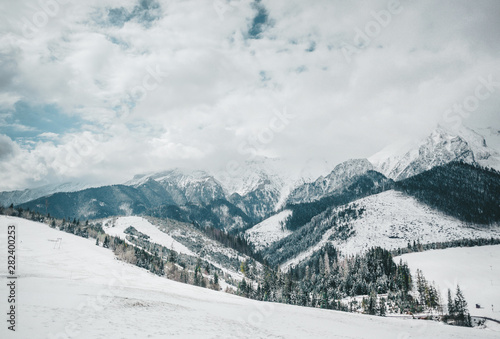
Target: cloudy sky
[[101, 90]]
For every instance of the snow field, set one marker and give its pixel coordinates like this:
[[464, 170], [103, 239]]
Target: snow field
[[81, 291], [475, 269]]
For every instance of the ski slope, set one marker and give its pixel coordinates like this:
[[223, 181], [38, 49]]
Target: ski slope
[[79, 290], [475, 269], [116, 227]]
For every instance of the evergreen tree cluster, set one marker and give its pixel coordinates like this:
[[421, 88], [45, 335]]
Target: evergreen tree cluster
[[467, 192], [428, 293], [236, 242], [133, 231], [418, 247], [178, 266], [201, 216], [364, 185], [339, 219], [324, 280], [458, 313]]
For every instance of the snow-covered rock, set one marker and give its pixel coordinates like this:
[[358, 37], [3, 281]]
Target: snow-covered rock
[[185, 186], [440, 147], [341, 176]]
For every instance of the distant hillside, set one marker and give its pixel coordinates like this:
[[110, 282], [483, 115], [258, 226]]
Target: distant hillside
[[468, 192], [219, 214], [360, 186], [99, 202]]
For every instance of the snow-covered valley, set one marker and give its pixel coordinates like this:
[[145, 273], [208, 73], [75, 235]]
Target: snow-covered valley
[[475, 269], [79, 290]]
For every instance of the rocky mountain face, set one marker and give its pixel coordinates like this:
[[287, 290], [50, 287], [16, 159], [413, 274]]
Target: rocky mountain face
[[194, 187], [258, 188], [187, 195], [262, 185], [439, 148], [341, 176]]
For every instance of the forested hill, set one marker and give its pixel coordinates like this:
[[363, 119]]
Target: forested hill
[[371, 182], [468, 192]]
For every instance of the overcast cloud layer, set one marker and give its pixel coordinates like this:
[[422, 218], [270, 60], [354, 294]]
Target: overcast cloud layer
[[101, 90]]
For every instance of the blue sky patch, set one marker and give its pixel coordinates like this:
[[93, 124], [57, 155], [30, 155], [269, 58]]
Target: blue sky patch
[[259, 22], [145, 12], [29, 121]]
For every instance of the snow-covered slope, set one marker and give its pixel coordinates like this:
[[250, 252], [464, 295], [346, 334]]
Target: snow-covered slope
[[442, 146], [341, 175], [81, 291], [180, 237], [391, 220], [268, 231], [475, 269], [116, 227]]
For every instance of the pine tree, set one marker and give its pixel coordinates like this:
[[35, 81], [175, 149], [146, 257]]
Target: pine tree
[[324, 300], [451, 305], [421, 287], [197, 273], [242, 287], [105, 244], [244, 267], [461, 307], [172, 257], [327, 263], [372, 303], [382, 307]]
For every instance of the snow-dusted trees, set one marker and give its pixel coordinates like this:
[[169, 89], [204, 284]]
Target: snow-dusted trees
[[428, 294], [458, 312]]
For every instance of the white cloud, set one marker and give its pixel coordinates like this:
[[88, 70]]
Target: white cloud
[[49, 135], [191, 89]]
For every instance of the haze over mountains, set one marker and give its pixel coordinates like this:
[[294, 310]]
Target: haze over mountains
[[264, 185]]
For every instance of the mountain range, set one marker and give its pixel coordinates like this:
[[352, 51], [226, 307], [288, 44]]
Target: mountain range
[[286, 214]]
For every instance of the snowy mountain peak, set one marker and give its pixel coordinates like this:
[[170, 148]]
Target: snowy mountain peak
[[440, 147], [323, 186], [181, 176]]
